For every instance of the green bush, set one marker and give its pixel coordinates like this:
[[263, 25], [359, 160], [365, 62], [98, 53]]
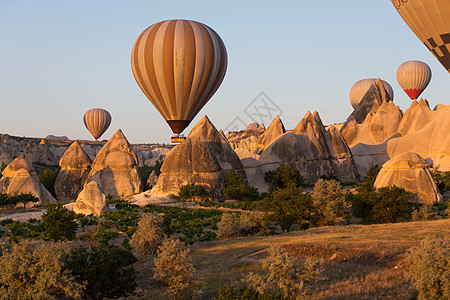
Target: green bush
[[283, 275], [38, 273], [148, 236], [283, 177], [59, 222], [235, 187], [106, 270], [189, 191], [288, 206], [48, 177], [328, 202], [228, 227], [442, 181], [173, 268], [252, 223], [429, 269]]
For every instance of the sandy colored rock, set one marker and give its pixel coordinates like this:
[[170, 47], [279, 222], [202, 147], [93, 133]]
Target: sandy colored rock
[[20, 178], [274, 131], [312, 150], [152, 179], [75, 167], [410, 171], [115, 168], [91, 200], [205, 158]]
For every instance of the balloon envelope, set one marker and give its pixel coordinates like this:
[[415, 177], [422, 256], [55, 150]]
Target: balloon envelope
[[360, 88], [97, 121], [413, 77], [430, 21], [179, 65]]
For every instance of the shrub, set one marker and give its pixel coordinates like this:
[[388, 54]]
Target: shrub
[[442, 181], [392, 204], [106, 270], [228, 227], [429, 269], [48, 177], [188, 191], [38, 273], [235, 187], [59, 222], [421, 214], [24, 199], [288, 206], [283, 177], [285, 275], [252, 223], [148, 235], [2, 167], [328, 202], [173, 267]]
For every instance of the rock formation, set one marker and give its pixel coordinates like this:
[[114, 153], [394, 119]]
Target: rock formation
[[410, 171], [205, 158], [152, 179], [115, 168], [275, 130], [312, 150], [75, 167], [387, 132], [91, 200], [20, 178]]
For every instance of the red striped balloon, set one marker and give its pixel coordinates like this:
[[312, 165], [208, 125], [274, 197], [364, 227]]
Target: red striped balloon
[[179, 65], [97, 121], [413, 77]]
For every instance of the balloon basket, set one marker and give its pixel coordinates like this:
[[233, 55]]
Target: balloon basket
[[177, 139]]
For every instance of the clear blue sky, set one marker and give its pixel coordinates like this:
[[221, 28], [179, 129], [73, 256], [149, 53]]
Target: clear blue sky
[[60, 58]]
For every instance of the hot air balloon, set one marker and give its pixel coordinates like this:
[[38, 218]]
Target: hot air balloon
[[97, 121], [430, 21], [179, 65], [413, 77], [360, 88]]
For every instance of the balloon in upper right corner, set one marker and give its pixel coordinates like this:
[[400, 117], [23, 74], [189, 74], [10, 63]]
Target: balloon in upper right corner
[[413, 77], [430, 21]]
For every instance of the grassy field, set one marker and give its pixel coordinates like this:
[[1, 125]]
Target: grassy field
[[360, 261]]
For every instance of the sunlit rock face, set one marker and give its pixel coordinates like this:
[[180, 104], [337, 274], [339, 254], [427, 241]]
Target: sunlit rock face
[[410, 171], [386, 131], [91, 200], [20, 178], [204, 158], [115, 168], [312, 150], [75, 167]]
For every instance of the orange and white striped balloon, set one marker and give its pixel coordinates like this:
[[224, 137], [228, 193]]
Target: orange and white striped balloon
[[413, 77], [179, 65], [97, 121], [430, 21]]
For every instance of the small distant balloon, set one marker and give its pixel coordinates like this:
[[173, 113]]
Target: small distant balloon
[[430, 21], [413, 77], [179, 65], [360, 88], [97, 121]]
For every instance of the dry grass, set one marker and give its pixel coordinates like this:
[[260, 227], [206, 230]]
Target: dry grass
[[360, 261]]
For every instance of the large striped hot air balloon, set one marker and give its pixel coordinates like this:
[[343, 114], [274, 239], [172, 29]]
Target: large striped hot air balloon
[[430, 21], [413, 77], [179, 65], [97, 121], [360, 88]]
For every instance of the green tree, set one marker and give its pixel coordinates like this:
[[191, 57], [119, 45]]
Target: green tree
[[283, 177], [283, 275], [107, 270], [5, 200], [328, 202], [148, 236], [236, 187], [59, 222], [2, 167], [24, 199], [288, 206], [188, 191], [38, 273], [48, 177], [173, 267], [392, 204], [429, 269], [366, 197]]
